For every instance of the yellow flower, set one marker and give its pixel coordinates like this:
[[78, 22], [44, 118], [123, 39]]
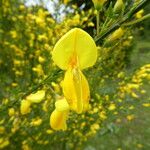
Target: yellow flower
[[130, 117], [112, 107], [146, 104], [11, 112], [59, 115], [75, 51], [139, 14], [2, 129], [116, 34], [36, 122], [66, 1], [36, 97], [25, 107], [4, 143]]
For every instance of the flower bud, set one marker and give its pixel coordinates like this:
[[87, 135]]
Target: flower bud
[[98, 4], [59, 116], [118, 6], [139, 14], [116, 35], [36, 97]]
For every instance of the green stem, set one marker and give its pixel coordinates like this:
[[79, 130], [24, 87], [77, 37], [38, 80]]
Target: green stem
[[137, 21], [124, 19], [97, 22]]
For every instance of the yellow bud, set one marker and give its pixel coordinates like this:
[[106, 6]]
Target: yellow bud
[[118, 6], [2, 130], [112, 107], [139, 14], [25, 107], [36, 122], [66, 1], [130, 117], [58, 120], [59, 115], [116, 35], [49, 131], [3, 143], [36, 97], [41, 59], [146, 104], [72, 50], [11, 112]]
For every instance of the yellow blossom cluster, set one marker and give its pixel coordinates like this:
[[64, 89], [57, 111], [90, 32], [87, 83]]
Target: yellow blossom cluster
[[137, 81]]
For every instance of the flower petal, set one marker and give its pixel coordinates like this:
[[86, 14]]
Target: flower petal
[[36, 97], [25, 107], [76, 47], [58, 120], [76, 90], [62, 105]]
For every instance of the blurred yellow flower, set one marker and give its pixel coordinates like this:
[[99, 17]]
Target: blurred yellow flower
[[3, 143], [146, 104], [98, 3], [112, 107], [41, 59], [139, 14], [116, 34], [130, 117], [66, 1], [2, 129], [36, 97], [118, 6], [36, 122], [25, 107], [11, 112]]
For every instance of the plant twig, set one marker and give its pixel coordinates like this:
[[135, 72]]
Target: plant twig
[[137, 21], [97, 22], [21, 96], [124, 19]]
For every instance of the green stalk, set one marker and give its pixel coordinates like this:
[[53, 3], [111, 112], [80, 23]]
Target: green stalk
[[127, 16], [137, 21], [97, 23]]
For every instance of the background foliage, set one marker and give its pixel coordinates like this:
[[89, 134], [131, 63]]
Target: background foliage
[[119, 82]]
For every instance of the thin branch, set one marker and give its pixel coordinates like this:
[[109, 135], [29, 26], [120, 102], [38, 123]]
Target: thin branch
[[21, 96], [137, 21], [97, 22], [124, 19]]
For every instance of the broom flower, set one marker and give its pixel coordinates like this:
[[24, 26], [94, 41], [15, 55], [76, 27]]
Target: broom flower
[[75, 51], [59, 116]]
